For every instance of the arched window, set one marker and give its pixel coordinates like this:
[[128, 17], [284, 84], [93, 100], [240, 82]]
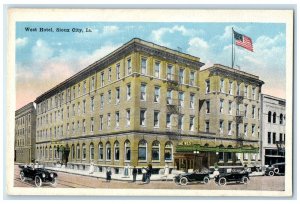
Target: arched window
[[155, 150], [274, 117], [127, 151], [281, 119], [92, 151], [117, 151], [73, 151], [83, 151], [269, 116], [168, 151], [108, 151], [142, 152], [78, 151], [100, 151], [50, 153]]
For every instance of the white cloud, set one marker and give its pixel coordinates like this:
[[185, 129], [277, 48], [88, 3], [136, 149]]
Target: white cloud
[[109, 30], [21, 42], [228, 31], [41, 51]]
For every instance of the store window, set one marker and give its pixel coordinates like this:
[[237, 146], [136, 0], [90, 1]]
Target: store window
[[100, 151], [168, 151], [155, 150], [127, 151], [142, 150], [117, 151], [108, 151]]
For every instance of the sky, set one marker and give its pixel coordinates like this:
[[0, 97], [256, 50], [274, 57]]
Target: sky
[[44, 59]]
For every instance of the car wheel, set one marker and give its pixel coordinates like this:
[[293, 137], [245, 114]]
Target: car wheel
[[271, 173], [245, 180], [183, 181], [22, 176], [276, 170], [38, 181], [222, 181], [53, 182], [205, 180]]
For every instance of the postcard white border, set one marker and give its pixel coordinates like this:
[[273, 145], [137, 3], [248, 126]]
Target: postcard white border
[[144, 15]]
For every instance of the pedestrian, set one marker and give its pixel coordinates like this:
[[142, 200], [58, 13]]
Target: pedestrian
[[144, 172], [134, 173], [148, 174], [108, 175], [92, 168]]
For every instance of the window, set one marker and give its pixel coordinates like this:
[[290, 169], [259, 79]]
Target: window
[[222, 85], [109, 96], [83, 106], [221, 127], [269, 116], [78, 108], [253, 93], [73, 94], [155, 150], [192, 78], [78, 151], [78, 126], [128, 91], [129, 66], [83, 125], [245, 110], [269, 137], [143, 92], [117, 151], [156, 94], [108, 151], [102, 79], [180, 122], [169, 72], [109, 74], [102, 101], [181, 76], [92, 104], [207, 106], [168, 120], [92, 125], [246, 91], [128, 117], [168, 151], [73, 110], [118, 71], [221, 105], [274, 137], [117, 119], [230, 107], [181, 99], [68, 128], [192, 120], [101, 122], [169, 97], [83, 88], [144, 66], [108, 120], [92, 84], [127, 151], [280, 137], [117, 95], [221, 154], [143, 118], [206, 126], [281, 119], [253, 111], [258, 113], [50, 152], [245, 130], [157, 70], [83, 152], [92, 151], [192, 101], [156, 118], [238, 90], [230, 87], [100, 151], [73, 127], [274, 117], [229, 128], [142, 151]]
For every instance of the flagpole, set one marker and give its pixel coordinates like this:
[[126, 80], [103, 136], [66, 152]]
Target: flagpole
[[232, 49]]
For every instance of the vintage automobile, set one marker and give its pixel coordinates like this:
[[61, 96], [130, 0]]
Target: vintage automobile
[[184, 179], [275, 169], [38, 175], [235, 176]]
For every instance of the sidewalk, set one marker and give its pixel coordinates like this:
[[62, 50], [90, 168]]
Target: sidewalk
[[118, 177]]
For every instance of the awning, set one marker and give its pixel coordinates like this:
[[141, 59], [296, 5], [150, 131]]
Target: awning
[[197, 147]]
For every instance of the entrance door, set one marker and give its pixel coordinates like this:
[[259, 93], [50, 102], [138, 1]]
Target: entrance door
[[198, 163]]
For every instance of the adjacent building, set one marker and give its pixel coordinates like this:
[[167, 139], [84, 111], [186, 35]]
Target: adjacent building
[[273, 130], [25, 129], [144, 103]]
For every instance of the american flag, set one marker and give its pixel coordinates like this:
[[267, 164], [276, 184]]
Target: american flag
[[243, 41]]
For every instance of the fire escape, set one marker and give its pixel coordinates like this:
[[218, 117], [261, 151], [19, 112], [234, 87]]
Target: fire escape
[[239, 117], [174, 106]]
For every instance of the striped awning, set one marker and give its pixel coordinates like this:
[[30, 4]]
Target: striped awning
[[197, 147]]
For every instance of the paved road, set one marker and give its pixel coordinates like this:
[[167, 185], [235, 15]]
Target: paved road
[[66, 180]]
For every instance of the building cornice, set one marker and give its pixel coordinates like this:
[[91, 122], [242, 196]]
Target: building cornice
[[135, 45], [28, 107]]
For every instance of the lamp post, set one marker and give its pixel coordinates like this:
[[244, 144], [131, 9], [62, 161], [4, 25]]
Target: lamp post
[[196, 152]]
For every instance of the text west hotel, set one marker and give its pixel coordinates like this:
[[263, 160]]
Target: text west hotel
[[144, 103]]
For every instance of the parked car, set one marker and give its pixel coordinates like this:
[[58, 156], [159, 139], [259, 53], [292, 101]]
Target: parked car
[[38, 175], [275, 169], [184, 179], [235, 176]]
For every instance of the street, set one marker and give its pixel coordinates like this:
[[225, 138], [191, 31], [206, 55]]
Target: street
[[67, 180]]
